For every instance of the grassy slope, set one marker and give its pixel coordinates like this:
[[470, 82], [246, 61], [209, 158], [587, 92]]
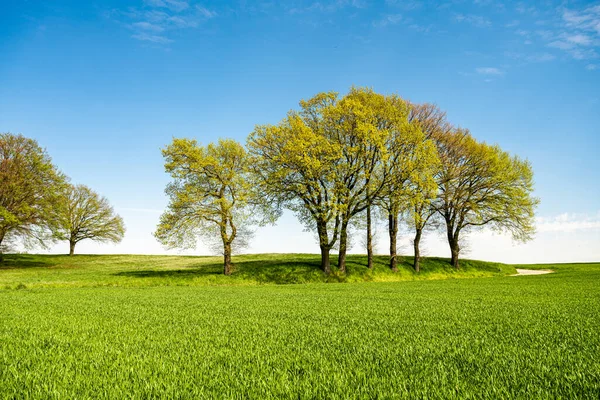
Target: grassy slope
[[498, 337], [34, 271]]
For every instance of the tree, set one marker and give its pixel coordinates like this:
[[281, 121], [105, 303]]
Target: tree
[[29, 185], [328, 161], [294, 163], [83, 214], [421, 209], [423, 191], [481, 185], [211, 194], [366, 125], [415, 155]]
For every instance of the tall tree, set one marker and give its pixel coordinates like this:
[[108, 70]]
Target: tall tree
[[83, 214], [481, 185], [423, 191], [211, 195], [421, 209], [29, 185], [295, 165], [328, 162], [366, 125], [414, 156]]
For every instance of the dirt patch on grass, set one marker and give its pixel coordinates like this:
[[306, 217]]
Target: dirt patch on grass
[[521, 272]]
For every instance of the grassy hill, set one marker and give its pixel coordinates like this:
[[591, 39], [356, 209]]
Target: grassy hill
[[173, 327], [33, 271]]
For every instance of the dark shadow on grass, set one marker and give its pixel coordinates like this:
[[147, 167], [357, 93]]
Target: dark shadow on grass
[[204, 270], [24, 261], [295, 270]]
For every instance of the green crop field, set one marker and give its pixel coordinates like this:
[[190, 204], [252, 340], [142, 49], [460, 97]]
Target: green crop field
[[172, 327]]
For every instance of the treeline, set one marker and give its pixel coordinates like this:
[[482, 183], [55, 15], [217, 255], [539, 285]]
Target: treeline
[[341, 157], [38, 204]]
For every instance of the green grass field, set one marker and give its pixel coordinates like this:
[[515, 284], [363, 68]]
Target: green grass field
[[171, 327]]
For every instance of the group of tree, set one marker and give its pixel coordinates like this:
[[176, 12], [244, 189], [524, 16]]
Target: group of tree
[[339, 158], [38, 204]]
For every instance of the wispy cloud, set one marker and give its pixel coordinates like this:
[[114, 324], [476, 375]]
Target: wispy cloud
[[490, 71], [475, 20], [579, 33], [568, 222], [155, 20], [531, 58], [389, 19], [328, 6]]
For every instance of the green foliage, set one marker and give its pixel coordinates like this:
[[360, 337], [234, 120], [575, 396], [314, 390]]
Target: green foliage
[[329, 161], [502, 337], [29, 187], [212, 195], [83, 214], [481, 185]]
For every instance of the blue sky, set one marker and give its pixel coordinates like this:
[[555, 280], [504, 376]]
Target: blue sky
[[104, 85]]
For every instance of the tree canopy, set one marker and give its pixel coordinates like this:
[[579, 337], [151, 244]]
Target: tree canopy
[[482, 185], [29, 189], [83, 214], [211, 195]]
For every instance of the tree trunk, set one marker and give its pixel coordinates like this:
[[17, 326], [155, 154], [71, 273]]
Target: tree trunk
[[454, 249], [227, 258], [324, 245], [72, 244], [1, 253], [453, 242], [369, 240], [325, 265], [393, 230], [417, 262], [343, 247]]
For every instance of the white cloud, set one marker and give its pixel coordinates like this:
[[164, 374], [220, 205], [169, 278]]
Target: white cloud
[[578, 34], [475, 20], [390, 19], [158, 18], [174, 5], [568, 222], [147, 26], [579, 39], [328, 6], [206, 12], [151, 38], [489, 71]]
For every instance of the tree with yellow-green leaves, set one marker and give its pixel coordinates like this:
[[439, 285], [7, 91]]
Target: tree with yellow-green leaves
[[368, 126], [295, 164], [422, 192], [415, 156], [29, 188], [329, 161], [482, 185], [211, 195]]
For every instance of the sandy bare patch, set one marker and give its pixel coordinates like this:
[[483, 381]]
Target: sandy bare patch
[[532, 272]]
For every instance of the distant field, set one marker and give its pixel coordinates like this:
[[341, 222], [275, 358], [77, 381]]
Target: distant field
[[166, 332]]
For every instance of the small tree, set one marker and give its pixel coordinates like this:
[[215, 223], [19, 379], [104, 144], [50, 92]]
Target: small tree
[[211, 195], [83, 214], [29, 187]]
